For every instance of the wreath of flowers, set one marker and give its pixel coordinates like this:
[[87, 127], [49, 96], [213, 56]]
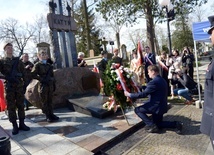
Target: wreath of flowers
[[114, 86]]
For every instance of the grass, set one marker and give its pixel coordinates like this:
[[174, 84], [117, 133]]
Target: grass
[[176, 100]]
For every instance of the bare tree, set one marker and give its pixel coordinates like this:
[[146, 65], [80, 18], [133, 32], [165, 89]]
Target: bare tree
[[199, 14], [41, 30], [74, 5], [135, 35], [19, 35]]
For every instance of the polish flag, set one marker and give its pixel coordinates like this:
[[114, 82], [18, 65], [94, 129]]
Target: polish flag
[[96, 70], [139, 54]]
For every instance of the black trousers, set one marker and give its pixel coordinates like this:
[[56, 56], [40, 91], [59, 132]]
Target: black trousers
[[156, 118], [191, 71]]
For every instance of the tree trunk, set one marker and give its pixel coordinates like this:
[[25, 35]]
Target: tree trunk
[[118, 42], [150, 26], [157, 48], [88, 38]]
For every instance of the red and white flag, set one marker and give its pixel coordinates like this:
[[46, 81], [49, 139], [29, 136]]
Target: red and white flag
[[163, 65], [96, 70], [139, 54]]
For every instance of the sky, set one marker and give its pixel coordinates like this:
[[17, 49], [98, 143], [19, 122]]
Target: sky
[[23, 10], [27, 10]]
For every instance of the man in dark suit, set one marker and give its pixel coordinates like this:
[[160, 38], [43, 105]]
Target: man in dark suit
[[149, 59], [103, 63], [207, 122], [156, 104]]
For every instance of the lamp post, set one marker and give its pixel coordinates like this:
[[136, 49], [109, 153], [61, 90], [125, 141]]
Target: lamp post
[[170, 16]]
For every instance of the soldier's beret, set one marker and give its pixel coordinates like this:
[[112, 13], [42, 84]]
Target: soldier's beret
[[7, 44], [211, 20]]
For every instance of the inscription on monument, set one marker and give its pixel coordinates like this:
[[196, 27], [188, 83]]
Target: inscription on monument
[[61, 22]]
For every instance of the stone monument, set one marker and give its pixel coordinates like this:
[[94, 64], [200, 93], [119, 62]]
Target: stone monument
[[72, 82]]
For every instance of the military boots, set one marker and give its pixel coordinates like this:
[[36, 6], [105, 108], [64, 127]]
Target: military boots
[[15, 128], [52, 118], [22, 125]]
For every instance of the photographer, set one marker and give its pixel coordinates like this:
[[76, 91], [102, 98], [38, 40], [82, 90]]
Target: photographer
[[80, 61], [188, 61], [181, 77]]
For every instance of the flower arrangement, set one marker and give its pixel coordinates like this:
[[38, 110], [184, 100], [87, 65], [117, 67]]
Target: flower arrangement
[[110, 104], [116, 79]]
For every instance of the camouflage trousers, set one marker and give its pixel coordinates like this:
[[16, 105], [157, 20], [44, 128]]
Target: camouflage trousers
[[46, 94], [15, 101]]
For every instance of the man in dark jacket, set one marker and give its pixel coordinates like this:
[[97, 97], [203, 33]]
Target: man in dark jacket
[[156, 104], [103, 63], [207, 122], [149, 59], [28, 67]]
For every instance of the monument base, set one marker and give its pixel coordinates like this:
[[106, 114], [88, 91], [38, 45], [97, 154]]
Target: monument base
[[89, 104]]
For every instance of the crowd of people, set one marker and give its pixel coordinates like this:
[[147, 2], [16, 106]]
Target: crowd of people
[[19, 72], [176, 68]]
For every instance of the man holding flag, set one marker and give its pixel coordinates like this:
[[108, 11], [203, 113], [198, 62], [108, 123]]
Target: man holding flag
[[137, 64]]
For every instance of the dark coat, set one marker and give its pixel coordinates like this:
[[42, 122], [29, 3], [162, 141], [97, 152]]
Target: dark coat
[[28, 67], [187, 81], [79, 61], [156, 90], [188, 60], [117, 59], [147, 63], [102, 65], [151, 57], [207, 123]]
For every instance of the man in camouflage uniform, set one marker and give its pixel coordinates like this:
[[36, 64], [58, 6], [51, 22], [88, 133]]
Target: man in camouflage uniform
[[13, 70], [43, 71], [28, 67]]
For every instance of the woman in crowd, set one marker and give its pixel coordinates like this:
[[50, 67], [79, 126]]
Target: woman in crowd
[[174, 62], [80, 61], [188, 61]]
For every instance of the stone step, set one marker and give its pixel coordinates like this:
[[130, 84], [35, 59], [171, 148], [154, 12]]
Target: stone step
[[89, 104]]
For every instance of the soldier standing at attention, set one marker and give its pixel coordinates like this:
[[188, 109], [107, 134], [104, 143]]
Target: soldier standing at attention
[[13, 70], [43, 71]]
